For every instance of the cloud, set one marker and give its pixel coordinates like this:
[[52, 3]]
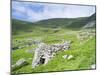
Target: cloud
[[31, 11]]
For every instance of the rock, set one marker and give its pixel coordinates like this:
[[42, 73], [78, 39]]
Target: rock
[[44, 52], [93, 66], [65, 56], [12, 66], [70, 57], [20, 63]]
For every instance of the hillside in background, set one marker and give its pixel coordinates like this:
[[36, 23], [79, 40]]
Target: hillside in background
[[67, 23]]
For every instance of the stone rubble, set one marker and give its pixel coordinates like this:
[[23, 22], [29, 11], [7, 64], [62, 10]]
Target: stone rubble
[[43, 53], [85, 35]]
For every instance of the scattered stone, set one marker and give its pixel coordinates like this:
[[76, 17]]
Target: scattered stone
[[93, 66], [85, 35], [65, 56], [70, 57], [12, 66]]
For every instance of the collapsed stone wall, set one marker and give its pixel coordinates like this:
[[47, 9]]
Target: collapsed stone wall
[[43, 53]]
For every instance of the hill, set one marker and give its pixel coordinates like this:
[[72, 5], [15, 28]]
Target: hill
[[68, 23]]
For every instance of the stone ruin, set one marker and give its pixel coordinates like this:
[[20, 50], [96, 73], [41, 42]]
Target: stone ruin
[[43, 53], [85, 34]]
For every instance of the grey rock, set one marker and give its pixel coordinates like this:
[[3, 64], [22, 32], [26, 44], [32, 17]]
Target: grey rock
[[43, 53], [20, 63], [68, 57]]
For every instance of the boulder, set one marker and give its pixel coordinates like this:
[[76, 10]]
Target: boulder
[[70, 57], [93, 66], [20, 63], [65, 56]]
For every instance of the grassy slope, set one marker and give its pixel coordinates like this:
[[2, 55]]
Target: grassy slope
[[84, 53], [20, 27]]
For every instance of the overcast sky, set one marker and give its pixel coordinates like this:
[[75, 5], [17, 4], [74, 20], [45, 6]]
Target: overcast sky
[[32, 11]]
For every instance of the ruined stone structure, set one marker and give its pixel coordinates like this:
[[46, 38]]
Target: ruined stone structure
[[45, 52]]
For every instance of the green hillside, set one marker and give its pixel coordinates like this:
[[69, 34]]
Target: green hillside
[[53, 31], [68, 23]]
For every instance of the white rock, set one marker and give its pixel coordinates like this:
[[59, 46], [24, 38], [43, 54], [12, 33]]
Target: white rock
[[93, 66], [70, 57], [12, 66], [65, 56], [21, 61]]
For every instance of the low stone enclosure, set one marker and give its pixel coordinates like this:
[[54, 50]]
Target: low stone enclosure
[[43, 53]]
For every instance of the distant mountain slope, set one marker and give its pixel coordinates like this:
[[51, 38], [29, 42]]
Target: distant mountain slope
[[91, 22], [64, 22], [72, 23], [18, 26], [92, 17], [69, 23]]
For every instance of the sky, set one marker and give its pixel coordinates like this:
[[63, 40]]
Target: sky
[[32, 11]]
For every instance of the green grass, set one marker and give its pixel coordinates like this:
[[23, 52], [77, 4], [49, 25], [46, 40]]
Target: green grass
[[84, 54]]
